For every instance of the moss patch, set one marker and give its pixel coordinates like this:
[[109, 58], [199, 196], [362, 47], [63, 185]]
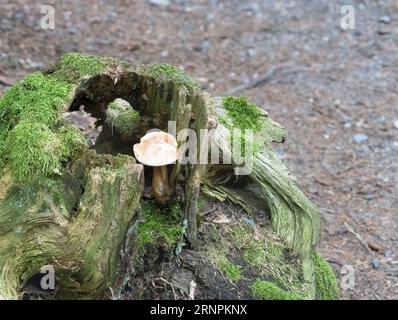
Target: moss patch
[[265, 290], [71, 141], [265, 252], [3, 137], [122, 117], [37, 98], [174, 74], [230, 270], [258, 253], [34, 137], [74, 66], [325, 279], [244, 114], [159, 226], [33, 150]]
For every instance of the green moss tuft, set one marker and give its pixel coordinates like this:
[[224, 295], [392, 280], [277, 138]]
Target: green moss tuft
[[3, 136], [244, 114], [72, 141], [33, 141], [269, 257], [232, 271], [122, 117], [325, 279], [265, 290], [172, 73], [258, 254], [159, 226], [37, 98], [73, 66], [33, 150]]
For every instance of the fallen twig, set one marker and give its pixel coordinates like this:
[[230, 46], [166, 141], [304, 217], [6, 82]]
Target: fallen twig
[[170, 284], [266, 78], [359, 237]]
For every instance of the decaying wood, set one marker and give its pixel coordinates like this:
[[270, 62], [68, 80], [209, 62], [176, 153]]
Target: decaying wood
[[84, 248], [293, 215]]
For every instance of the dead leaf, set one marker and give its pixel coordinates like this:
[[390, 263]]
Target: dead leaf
[[375, 246], [324, 179]]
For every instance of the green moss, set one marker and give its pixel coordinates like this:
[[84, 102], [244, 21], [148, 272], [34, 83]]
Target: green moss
[[269, 257], [265, 290], [74, 66], [37, 98], [159, 226], [71, 141], [33, 138], [3, 137], [218, 253], [33, 150], [172, 73], [244, 114], [232, 271], [325, 279], [122, 117]]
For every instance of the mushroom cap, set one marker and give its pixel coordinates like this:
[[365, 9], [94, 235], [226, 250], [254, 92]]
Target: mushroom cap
[[156, 149]]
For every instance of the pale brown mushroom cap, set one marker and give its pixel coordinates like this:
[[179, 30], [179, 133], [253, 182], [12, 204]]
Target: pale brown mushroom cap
[[156, 149]]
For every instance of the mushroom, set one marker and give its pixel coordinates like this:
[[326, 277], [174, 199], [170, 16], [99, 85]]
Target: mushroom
[[157, 149]]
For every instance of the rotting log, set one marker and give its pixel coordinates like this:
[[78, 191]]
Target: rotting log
[[65, 205]]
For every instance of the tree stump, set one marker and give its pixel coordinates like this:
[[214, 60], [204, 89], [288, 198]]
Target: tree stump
[[72, 206]]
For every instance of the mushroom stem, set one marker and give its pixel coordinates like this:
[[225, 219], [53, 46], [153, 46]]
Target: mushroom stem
[[160, 185]]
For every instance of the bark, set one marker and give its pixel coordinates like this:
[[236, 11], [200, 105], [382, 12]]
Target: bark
[[82, 248]]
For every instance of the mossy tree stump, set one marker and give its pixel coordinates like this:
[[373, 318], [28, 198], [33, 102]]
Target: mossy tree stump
[[65, 205]]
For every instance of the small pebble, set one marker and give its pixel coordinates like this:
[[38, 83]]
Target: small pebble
[[376, 264], [248, 221], [112, 16], [72, 30], [396, 123], [205, 46], [385, 19], [388, 253], [160, 3], [251, 52], [381, 120], [360, 137]]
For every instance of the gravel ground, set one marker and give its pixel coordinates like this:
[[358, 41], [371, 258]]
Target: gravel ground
[[335, 90]]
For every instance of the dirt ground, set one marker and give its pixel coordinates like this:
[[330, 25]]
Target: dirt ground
[[335, 90]]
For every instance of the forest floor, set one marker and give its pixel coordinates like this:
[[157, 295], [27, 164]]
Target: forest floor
[[335, 91]]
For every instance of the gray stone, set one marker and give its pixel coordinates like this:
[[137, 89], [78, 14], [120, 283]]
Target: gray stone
[[206, 45], [388, 253], [375, 264], [385, 19], [160, 3], [248, 221], [396, 123], [72, 30], [360, 137]]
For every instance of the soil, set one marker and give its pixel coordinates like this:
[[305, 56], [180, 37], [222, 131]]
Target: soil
[[335, 91]]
